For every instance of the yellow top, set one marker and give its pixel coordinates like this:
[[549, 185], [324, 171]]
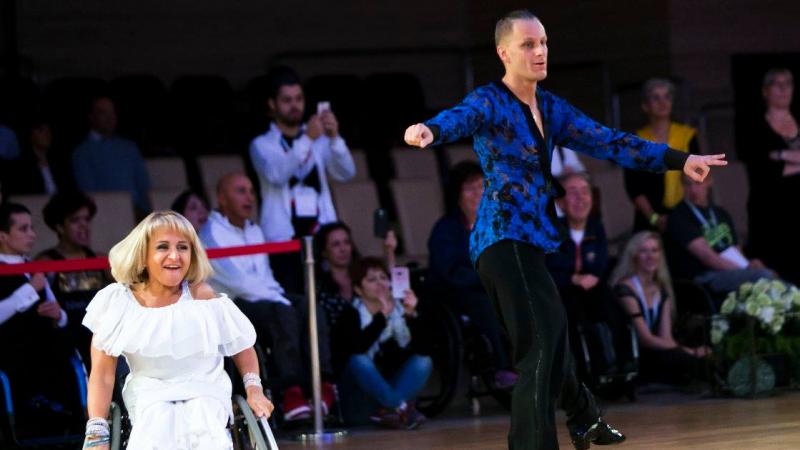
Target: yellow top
[[678, 138]]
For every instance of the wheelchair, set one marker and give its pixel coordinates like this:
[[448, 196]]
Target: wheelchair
[[247, 432], [456, 344], [10, 435], [609, 370]]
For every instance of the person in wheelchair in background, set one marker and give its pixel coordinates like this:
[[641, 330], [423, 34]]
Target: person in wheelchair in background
[[452, 276], [35, 348], [379, 348], [173, 330], [579, 269]]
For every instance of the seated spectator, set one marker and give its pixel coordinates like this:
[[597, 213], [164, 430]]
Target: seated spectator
[[580, 265], [106, 162], [33, 172], [280, 319], [703, 242], [643, 287], [35, 351], [293, 161], [452, 275], [379, 345], [654, 194], [70, 215], [193, 206], [336, 255]]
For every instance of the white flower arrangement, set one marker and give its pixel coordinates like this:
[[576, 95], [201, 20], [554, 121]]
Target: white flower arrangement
[[768, 301]]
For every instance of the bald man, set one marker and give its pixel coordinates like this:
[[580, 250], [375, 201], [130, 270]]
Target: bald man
[[280, 318], [515, 125]]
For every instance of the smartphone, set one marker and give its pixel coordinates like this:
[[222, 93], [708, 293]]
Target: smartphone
[[401, 282], [380, 223], [323, 106]]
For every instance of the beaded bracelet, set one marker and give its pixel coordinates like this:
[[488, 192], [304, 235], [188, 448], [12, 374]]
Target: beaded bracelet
[[251, 379], [97, 426]]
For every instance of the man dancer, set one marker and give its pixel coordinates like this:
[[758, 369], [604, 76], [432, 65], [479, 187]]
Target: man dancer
[[514, 126]]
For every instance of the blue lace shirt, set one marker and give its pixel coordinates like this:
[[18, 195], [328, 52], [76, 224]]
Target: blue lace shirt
[[515, 158]]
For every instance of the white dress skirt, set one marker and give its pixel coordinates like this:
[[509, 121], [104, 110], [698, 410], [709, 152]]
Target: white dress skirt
[[177, 394]]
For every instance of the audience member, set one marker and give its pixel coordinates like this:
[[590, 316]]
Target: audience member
[[193, 206], [771, 152], [36, 350], [378, 347], [293, 160], [452, 276], [70, 215], [106, 162], [654, 194], [703, 245], [33, 172], [279, 318], [336, 254], [580, 266], [643, 287]]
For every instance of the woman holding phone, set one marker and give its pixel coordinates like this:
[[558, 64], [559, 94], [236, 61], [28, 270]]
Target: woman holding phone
[[379, 347]]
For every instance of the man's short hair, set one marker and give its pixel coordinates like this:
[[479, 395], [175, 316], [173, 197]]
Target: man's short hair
[[562, 180], [279, 77], [63, 205], [653, 83], [505, 24], [6, 211]]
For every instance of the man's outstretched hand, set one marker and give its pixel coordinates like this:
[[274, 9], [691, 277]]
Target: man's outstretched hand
[[698, 166], [419, 135]]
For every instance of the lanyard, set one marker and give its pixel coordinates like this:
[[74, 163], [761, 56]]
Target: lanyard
[[701, 218], [650, 315]]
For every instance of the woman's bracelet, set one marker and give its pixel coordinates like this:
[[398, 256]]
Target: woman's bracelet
[[654, 218], [97, 426], [96, 441], [251, 379]]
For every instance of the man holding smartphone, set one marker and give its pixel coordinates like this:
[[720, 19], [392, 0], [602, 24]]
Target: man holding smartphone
[[293, 160], [515, 125]]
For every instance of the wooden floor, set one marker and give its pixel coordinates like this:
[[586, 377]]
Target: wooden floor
[[651, 423]]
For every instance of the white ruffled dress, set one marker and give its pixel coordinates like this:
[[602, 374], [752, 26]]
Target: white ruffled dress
[[178, 394]]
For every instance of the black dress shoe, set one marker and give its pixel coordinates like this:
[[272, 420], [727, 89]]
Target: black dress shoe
[[599, 433]]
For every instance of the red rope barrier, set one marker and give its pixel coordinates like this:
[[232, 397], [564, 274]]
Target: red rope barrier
[[101, 263]]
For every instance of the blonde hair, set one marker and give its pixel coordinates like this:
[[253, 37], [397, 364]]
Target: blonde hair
[[627, 263], [129, 257]]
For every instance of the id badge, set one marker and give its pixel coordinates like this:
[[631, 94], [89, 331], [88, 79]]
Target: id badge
[[305, 201]]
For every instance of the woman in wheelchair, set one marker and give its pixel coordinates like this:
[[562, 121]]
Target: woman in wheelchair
[[173, 331], [643, 287], [378, 347]]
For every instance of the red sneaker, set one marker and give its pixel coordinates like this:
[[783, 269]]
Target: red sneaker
[[295, 406], [328, 397]]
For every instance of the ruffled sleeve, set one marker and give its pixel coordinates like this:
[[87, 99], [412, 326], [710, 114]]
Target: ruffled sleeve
[[186, 328]]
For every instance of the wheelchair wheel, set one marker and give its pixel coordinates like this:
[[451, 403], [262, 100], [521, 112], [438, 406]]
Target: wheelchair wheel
[[447, 356], [119, 426], [246, 431]]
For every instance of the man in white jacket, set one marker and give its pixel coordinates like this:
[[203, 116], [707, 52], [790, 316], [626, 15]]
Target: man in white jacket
[[293, 160], [279, 317]]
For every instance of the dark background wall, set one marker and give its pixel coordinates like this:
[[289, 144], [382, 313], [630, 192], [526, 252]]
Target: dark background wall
[[597, 47]]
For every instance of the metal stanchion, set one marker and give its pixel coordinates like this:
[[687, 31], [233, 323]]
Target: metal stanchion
[[319, 434]]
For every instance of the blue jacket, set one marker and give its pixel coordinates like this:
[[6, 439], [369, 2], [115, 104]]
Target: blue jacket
[[515, 157], [594, 254]]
